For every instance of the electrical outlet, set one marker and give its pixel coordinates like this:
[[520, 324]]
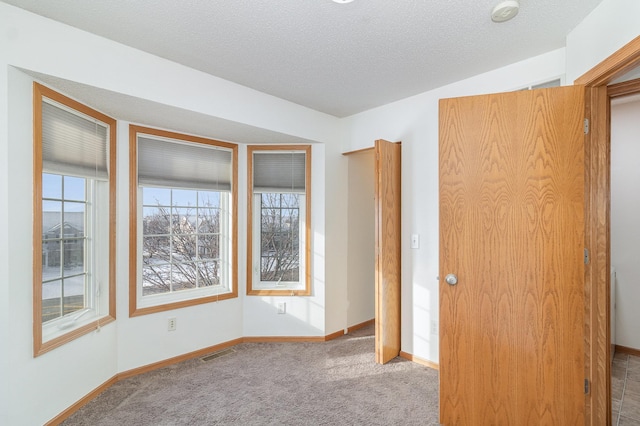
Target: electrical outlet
[[172, 323], [434, 327], [282, 307]]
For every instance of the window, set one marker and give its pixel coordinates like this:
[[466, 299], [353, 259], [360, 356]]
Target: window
[[551, 83], [74, 212], [183, 227], [279, 220]]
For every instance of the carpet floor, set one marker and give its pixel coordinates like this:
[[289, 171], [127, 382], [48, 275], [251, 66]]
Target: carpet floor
[[330, 383]]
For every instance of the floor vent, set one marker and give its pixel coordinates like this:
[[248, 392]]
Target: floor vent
[[217, 354]]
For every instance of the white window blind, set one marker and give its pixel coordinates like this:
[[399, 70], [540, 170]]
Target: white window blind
[[72, 144], [279, 172], [177, 164]]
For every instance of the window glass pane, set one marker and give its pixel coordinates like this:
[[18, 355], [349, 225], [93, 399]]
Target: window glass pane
[[156, 250], [181, 239], [156, 220], [184, 198], [156, 277], [51, 260], [51, 186], [156, 196], [209, 247], [51, 300], [184, 220], [73, 219], [208, 199], [209, 273], [52, 290], [208, 220], [289, 200], [73, 256], [183, 276], [270, 200], [73, 290], [51, 219], [279, 237], [63, 247], [74, 188], [184, 247]]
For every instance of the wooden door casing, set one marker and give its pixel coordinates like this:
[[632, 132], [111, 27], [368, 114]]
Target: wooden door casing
[[512, 203]]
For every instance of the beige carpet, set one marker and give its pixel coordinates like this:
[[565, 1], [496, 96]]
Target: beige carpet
[[330, 383]]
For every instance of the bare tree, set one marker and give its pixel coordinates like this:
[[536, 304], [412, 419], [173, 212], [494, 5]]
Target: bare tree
[[280, 237], [181, 249]]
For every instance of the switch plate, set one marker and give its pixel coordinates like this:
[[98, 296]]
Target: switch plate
[[434, 328], [415, 241]]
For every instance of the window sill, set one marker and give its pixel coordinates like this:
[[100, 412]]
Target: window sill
[[96, 324], [135, 311], [278, 292]]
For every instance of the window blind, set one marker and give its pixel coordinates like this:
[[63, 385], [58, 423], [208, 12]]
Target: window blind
[[177, 164], [72, 144], [281, 172]]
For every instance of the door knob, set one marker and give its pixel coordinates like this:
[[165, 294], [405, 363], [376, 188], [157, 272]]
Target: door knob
[[451, 279]]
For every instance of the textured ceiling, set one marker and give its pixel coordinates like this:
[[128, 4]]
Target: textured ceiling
[[336, 58]]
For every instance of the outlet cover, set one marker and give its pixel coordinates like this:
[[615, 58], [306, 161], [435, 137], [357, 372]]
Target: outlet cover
[[282, 308], [172, 323]]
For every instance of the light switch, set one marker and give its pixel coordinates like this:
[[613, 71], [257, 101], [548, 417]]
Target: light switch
[[415, 241]]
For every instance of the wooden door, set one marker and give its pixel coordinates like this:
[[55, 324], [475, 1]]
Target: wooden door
[[512, 208], [387, 274]]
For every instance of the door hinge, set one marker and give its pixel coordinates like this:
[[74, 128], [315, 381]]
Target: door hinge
[[586, 126], [586, 386], [586, 256]]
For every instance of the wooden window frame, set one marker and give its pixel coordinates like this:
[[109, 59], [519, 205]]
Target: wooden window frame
[[39, 346], [306, 290], [134, 309]]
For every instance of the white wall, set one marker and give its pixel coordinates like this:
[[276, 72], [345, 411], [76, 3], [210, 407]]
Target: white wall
[[4, 230], [414, 121], [335, 239], [361, 238], [607, 28], [625, 210]]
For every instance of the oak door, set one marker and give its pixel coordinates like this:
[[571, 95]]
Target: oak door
[[512, 206], [387, 256]]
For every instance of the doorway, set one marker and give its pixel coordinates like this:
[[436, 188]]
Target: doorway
[[625, 205], [374, 242]]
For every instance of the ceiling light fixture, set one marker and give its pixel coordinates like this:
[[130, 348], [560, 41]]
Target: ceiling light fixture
[[342, 1], [504, 11]]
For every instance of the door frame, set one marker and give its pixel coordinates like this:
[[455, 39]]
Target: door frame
[[597, 232]]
